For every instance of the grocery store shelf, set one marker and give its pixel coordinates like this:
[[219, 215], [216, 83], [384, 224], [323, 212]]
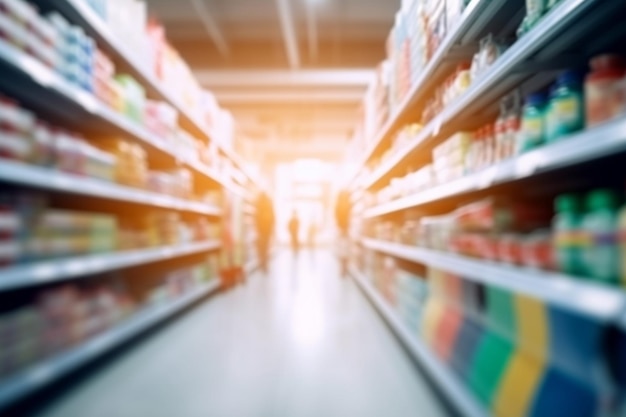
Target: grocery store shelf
[[602, 302], [84, 106], [43, 178], [488, 87], [51, 370], [476, 11], [443, 378], [44, 272], [79, 12], [598, 142]]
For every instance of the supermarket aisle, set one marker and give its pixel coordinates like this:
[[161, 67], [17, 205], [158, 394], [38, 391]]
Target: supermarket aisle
[[301, 342]]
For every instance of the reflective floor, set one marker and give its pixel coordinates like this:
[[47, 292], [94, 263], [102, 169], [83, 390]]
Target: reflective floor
[[300, 341]]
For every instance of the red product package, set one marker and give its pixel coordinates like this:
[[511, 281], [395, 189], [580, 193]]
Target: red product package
[[538, 251], [492, 215], [510, 249]]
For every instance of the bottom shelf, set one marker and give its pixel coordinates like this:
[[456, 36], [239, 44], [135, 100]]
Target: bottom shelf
[[56, 367], [445, 381]]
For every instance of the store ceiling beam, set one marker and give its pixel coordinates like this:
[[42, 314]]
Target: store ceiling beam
[[355, 77], [211, 26], [290, 37], [311, 27], [266, 98]]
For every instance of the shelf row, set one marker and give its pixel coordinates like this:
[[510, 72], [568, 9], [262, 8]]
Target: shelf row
[[597, 142], [602, 302], [445, 381], [18, 173], [57, 367], [59, 97], [45, 272], [475, 17], [490, 86], [81, 13]]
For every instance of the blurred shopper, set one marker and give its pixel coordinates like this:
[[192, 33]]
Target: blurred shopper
[[265, 223], [294, 232], [312, 235], [343, 212]]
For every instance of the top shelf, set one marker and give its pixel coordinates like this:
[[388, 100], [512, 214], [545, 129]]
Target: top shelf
[[475, 18], [79, 12], [505, 74]]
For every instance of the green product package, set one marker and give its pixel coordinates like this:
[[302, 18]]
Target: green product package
[[489, 366], [501, 312]]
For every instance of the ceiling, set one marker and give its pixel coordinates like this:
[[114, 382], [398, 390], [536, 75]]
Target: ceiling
[[291, 71]]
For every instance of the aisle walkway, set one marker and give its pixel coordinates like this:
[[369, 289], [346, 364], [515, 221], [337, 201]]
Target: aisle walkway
[[302, 342]]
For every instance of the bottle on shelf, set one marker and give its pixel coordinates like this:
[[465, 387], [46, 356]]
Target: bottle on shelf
[[601, 254], [600, 86], [565, 114], [567, 226], [532, 132]]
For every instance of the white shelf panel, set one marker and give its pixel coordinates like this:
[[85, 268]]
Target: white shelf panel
[[602, 302], [601, 141], [23, 174], [44, 272], [51, 370], [444, 379], [523, 49]]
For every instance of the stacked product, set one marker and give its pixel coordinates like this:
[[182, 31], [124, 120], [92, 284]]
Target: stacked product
[[131, 166], [58, 319], [398, 54], [22, 27], [411, 296], [574, 103], [66, 316], [376, 104], [178, 183], [518, 355], [59, 233], [31, 230]]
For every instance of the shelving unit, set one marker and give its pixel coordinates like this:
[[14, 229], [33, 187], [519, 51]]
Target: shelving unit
[[600, 302], [509, 70], [587, 146], [55, 368], [80, 13], [566, 37], [51, 180], [445, 381], [38, 273], [53, 99]]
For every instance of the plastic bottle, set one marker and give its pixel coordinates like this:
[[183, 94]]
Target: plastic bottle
[[607, 71], [566, 109], [601, 251], [534, 10], [532, 131], [566, 225]]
